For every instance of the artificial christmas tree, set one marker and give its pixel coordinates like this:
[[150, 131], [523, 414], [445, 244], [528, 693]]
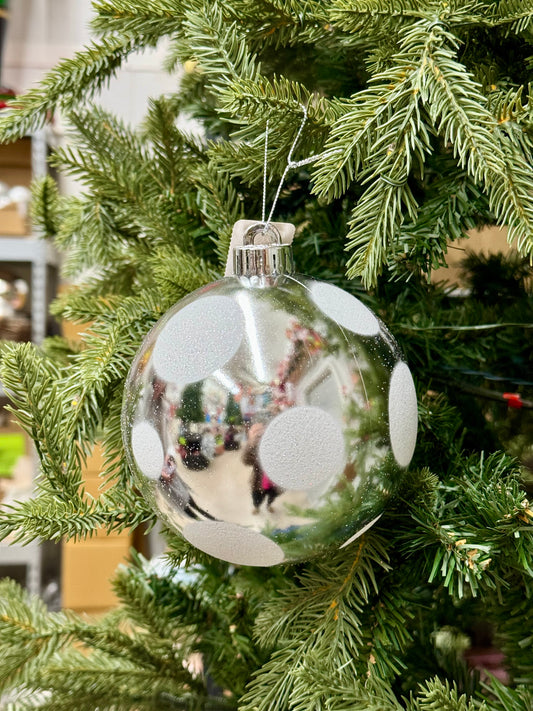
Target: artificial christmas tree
[[420, 124]]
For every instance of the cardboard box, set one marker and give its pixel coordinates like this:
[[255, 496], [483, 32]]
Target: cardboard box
[[488, 240], [15, 162], [16, 154], [88, 566], [15, 169], [12, 223]]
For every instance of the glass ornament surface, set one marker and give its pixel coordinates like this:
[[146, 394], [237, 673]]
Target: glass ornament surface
[[269, 419]]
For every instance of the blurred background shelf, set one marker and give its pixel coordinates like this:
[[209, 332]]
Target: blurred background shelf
[[29, 273], [35, 262]]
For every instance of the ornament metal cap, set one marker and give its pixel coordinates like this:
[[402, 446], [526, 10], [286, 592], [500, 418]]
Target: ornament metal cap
[[262, 253]]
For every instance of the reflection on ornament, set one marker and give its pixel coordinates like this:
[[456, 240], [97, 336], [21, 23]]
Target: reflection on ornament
[[268, 417]]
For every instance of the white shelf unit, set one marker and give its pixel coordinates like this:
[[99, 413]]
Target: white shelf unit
[[35, 260], [38, 257]]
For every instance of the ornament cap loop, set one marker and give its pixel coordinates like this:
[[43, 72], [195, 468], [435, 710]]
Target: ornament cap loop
[[262, 253], [265, 233]]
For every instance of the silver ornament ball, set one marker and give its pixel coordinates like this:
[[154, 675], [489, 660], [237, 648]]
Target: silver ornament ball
[[268, 416]]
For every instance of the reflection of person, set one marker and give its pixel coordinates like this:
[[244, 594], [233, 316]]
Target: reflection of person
[[177, 490], [248, 408], [262, 487], [191, 452], [231, 441], [208, 446], [158, 408], [305, 343]]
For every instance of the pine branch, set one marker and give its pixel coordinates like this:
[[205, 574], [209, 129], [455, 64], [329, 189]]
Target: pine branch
[[72, 81], [242, 93], [388, 120], [99, 138], [59, 349], [84, 236], [34, 385], [283, 22], [453, 204], [79, 398], [110, 346], [474, 556], [143, 198], [379, 15], [46, 206], [461, 116], [78, 306], [220, 205], [315, 688], [329, 600], [375, 223], [207, 609], [25, 638], [219, 47], [130, 667], [49, 517], [372, 15], [508, 699], [512, 105], [175, 153], [177, 273], [517, 14], [74, 683], [290, 614], [125, 17], [436, 695], [380, 138], [280, 101], [513, 634], [139, 600]]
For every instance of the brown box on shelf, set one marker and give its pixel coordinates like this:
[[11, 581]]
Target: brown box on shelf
[[15, 328], [12, 223], [88, 566], [15, 162]]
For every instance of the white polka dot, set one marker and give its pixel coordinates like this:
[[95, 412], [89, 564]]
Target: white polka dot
[[302, 447], [147, 450], [403, 414], [361, 531], [233, 543], [344, 309], [198, 339]]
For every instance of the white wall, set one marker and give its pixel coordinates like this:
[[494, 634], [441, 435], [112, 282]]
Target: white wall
[[41, 32]]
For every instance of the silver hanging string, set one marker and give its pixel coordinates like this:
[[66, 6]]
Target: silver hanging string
[[289, 161], [291, 164], [263, 211]]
